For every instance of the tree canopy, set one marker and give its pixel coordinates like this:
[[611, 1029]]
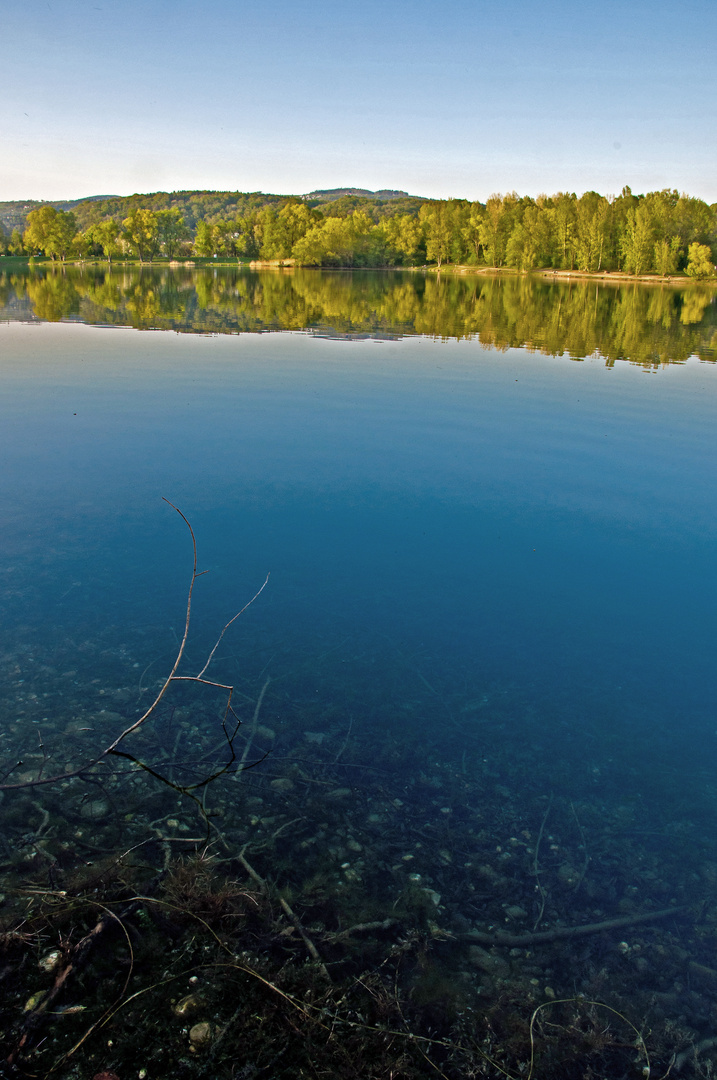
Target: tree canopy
[[662, 232]]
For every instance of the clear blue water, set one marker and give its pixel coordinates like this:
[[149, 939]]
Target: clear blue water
[[499, 522], [489, 626]]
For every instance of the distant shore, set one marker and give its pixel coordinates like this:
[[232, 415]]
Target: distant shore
[[614, 277], [618, 277]]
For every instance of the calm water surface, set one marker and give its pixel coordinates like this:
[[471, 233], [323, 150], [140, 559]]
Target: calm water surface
[[501, 559], [499, 519]]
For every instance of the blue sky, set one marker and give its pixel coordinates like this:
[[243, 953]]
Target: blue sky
[[452, 99]]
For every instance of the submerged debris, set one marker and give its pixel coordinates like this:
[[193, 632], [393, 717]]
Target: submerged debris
[[360, 903]]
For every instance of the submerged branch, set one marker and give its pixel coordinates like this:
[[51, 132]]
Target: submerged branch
[[173, 677], [561, 932]]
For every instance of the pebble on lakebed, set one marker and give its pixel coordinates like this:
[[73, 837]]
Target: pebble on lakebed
[[201, 1034]]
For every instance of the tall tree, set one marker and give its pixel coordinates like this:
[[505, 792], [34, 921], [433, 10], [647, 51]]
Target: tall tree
[[15, 245], [666, 255], [141, 232], [38, 229], [497, 226], [565, 226], [404, 240], [638, 240], [291, 223], [591, 222], [208, 240], [50, 231], [443, 222], [172, 230], [104, 234], [472, 229]]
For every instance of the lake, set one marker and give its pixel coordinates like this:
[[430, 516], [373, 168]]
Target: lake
[[488, 511]]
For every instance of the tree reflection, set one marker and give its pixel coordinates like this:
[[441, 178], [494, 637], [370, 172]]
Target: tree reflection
[[644, 324]]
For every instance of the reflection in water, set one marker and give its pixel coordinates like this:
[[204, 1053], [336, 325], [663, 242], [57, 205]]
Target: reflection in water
[[645, 324]]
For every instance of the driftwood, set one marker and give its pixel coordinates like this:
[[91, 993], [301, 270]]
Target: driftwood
[[560, 933]]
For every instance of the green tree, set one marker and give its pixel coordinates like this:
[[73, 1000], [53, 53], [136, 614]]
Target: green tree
[[443, 224], [666, 255], [172, 230], [529, 243], [591, 223], [497, 225], [104, 235], [246, 235], [339, 241], [564, 219], [208, 240], [50, 231], [699, 261], [64, 234], [283, 230], [38, 229], [141, 231], [268, 233], [472, 229], [403, 238], [638, 240], [436, 221], [15, 245], [693, 221]]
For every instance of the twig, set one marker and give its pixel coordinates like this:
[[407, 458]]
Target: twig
[[561, 932], [536, 869], [113, 748], [248, 604], [45, 819], [254, 721], [361, 928], [586, 860], [288, 911], [77, 960], [345, 742], [639, 1040]]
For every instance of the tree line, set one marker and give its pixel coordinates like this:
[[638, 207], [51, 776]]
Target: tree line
[[663, 232]]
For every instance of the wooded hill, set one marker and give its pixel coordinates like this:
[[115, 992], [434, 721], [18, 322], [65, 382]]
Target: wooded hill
[[663, 232], [194, 205]]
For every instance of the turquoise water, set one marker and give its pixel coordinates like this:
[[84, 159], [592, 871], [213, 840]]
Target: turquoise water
[[504, 519], [489, 628]]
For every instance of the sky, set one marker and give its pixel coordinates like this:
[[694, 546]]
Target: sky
[[455, 99]]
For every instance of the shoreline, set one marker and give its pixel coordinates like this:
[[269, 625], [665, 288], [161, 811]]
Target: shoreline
[[611, 277], [614, 277]]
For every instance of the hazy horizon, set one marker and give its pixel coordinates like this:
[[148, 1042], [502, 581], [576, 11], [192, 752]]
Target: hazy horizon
[[306, 194]]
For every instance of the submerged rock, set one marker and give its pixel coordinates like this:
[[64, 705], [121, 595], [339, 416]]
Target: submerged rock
[[201, 1034], [95, 810], [50, 961], [488, 962], [188, 1006]]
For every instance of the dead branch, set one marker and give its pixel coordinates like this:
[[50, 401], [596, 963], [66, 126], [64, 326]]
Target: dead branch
[[76, 961], [229, 718], [289, 912], [560, 933]]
